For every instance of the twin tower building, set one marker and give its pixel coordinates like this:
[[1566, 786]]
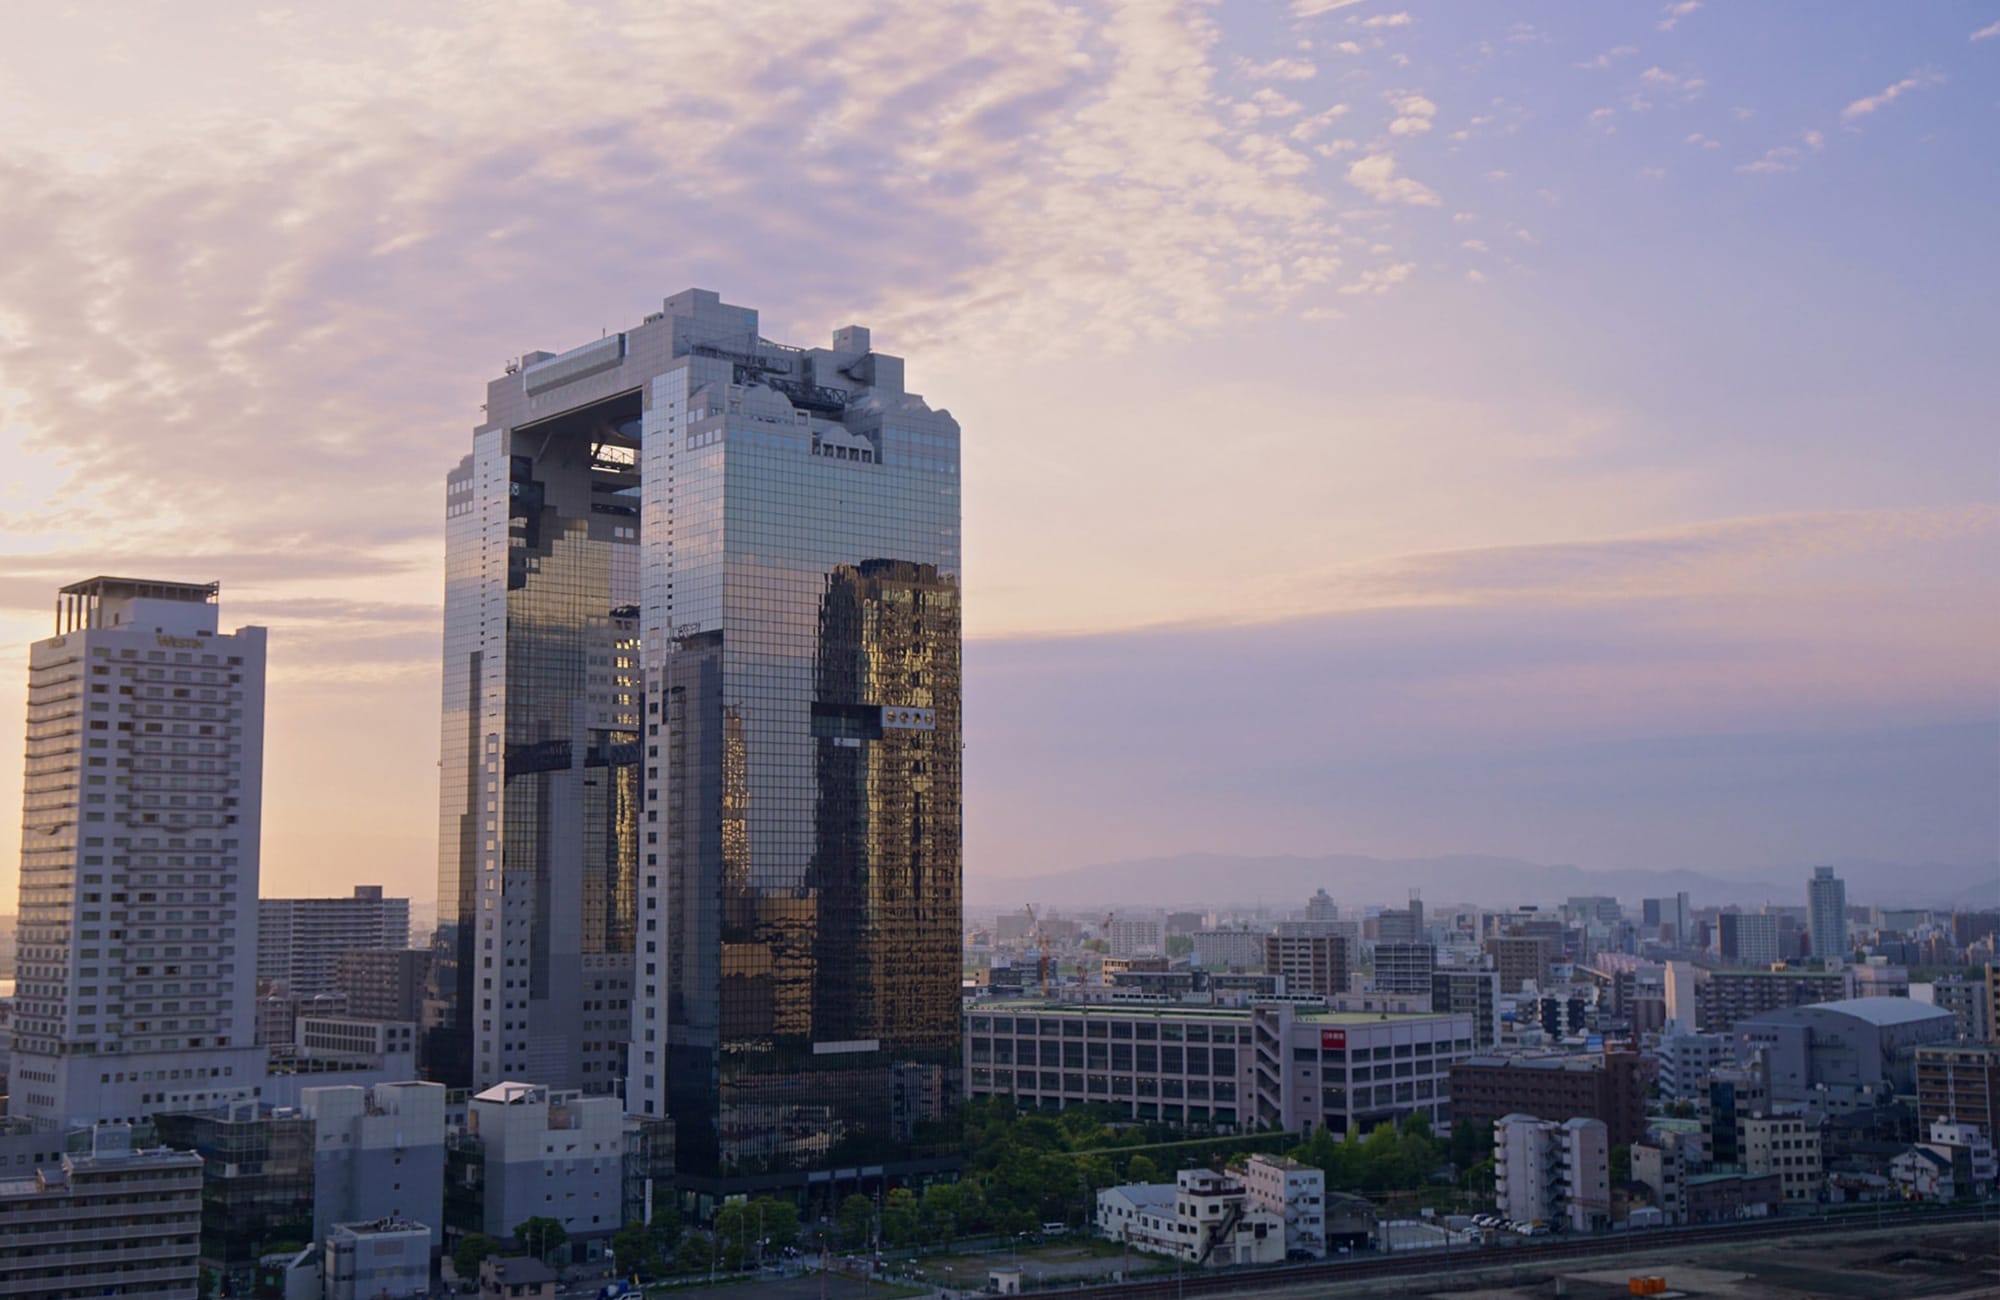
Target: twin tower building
[[700, 810]]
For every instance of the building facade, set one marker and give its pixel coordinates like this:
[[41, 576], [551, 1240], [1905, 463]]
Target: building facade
[[299, 940], [1464, 991], [383, 983], [1826, 914], [378, 1156], [1404, 967], [1295, 1193], [1959, 1085], [1552, 1172], [1609, 1086], [139, 858], [1203, 1218], [1312, 964], [1725, 997], [548, 1154], [701, 741], [1788, 1146], [382, 1259], [1748, 938], [1838, 1056], [118, 1221]]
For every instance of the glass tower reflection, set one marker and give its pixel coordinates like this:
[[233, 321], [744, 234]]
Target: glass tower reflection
[[723, 732]]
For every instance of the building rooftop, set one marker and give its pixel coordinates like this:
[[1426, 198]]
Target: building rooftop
[[148, 588], [1234, 1015], [520, 1270], [1880, 1012]]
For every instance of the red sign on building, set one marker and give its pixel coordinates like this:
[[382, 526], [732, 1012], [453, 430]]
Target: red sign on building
[[1333, 1038]]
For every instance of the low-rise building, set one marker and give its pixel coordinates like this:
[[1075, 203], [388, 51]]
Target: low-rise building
[[1663, 1170], [1204, 1218], [119, 1221], [548, 1154], [1845, 1055], [516, 1277], [1296, 1193], [1971, 1153], [1725, 1196], [1788, 1146], [1960, 1084], [1923, 1173], [383, 1259]]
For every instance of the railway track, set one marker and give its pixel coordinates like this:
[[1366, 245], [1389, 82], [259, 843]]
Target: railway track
[[1435, 1264]]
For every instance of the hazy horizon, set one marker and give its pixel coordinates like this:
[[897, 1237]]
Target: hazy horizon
[[1557, 431]]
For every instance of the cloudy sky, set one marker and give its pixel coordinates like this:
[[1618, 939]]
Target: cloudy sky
[[1563, 430]]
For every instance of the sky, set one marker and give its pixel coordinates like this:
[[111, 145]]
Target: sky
[[1562, 430]]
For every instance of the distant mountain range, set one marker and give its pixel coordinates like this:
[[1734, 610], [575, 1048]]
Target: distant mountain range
[[1221, 880]]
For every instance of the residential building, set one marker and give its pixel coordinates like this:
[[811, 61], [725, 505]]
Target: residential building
[[1748, 938], [1966, 1000], [1609, 1086], [1730, 1096], [1133, 936], [1826, 914], [139, 840], [299, 940], [1203, 1218], [1788, 1146], [1725, 997], [1321, 907], [378, 1156], [1545, 1171], [1463, 991], [1839, 1056], [382, 1259], [383, 983], [1401, 924], [256, 1180], [1404, 967], [1959, 1084], [1275, 1065], [1521, 959], [1230, 949], [1311, 964], [1924, 1173], [701, 741], [549, 1154], [1971, 1151], [1662, 1168], [119, 1221], [1295, 1193], [1686, 1060]]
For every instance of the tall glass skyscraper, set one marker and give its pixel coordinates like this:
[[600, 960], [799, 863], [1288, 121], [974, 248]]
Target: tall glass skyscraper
[[1826, 913], [703, 622]]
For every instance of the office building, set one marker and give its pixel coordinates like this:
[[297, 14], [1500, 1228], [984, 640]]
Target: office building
[[549, 1154], [1463, 991], [383, 983], [256, 1176], [1402, 924], [1321, 907], [1610, 1086], [1959, 1084], [1788, 1146], [702, 715], [139, 842], [1404, 967], [1241, 950], [1551, 1172], [1669, 921], [1197, 1067], [1840, 1056], [378, 1155], [299, 940], [1312, 963], [1826, 914], [1748, 938], [1686, 1060], [383, 1259], [118, 1221]]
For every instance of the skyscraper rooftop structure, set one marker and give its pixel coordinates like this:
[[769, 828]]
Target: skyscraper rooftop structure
[[139, 857], [701, 743]]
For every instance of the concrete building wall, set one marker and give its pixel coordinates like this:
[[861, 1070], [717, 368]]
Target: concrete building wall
[[378, 1153]]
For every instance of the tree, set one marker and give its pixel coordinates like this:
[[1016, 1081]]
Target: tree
[[1179, 945], [899, 1217], [633, 1251], [855, 1219], [1141, 1169], [541, 1235], [743, 1224], [666, 1228], [206, 1282], [1621, 1165], [694, 1254], [472, 1248]]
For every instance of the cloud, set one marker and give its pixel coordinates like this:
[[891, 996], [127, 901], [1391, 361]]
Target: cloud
[[1918, 80], [1476, 276], [1347, 47], [1387, 20], [1380, 279], [1652, 173], [1779, 158], [1986, 33], [1673, 13], [1284, 69], [1604, 119], [1815, 140], [1705, 142], [1606, 59], [1376, 177], [1413, 115], [1314, 8], [1473, 245]]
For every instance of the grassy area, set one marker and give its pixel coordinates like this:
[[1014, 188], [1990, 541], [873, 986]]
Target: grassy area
[[1077, 1259]]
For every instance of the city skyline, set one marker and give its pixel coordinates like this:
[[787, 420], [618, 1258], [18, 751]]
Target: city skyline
[[1675, 548]]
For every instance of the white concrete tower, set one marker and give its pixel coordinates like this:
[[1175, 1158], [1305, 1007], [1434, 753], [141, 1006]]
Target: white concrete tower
[[140, 827]]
